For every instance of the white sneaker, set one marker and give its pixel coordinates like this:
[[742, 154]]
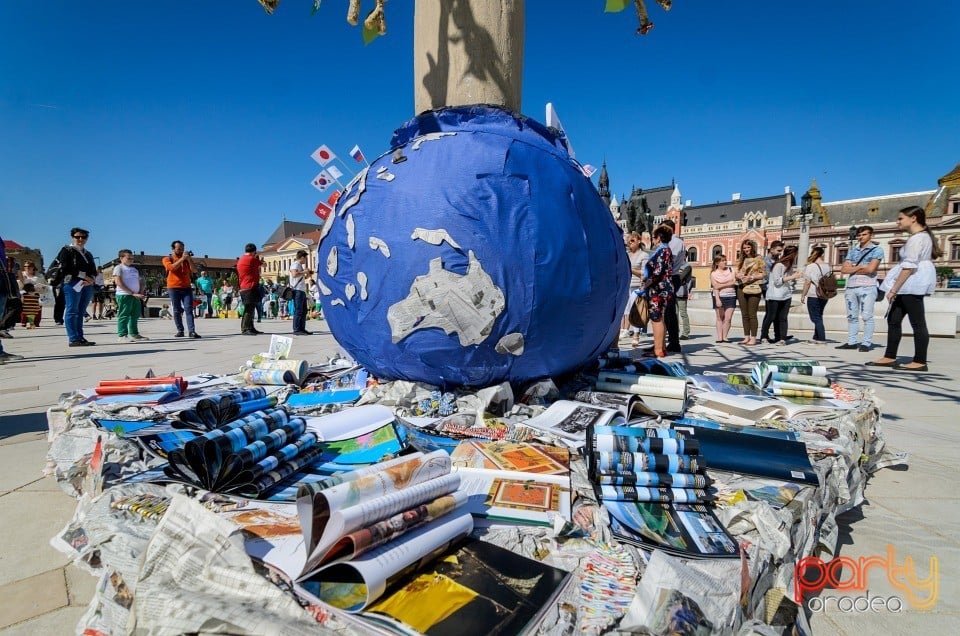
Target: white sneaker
[[123, 339], [138, 338]]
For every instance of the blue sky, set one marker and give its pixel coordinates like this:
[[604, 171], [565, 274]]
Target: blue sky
[[147, 122]]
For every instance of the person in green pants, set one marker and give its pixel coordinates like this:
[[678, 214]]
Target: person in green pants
[[127, 279]]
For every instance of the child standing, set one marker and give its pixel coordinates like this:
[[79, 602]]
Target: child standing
[[30, 310], [127, 279]]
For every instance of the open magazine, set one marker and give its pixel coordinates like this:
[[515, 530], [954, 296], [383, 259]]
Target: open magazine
[[514, 482], [476, 588], [569, 420], [359, 531], [690, 530], [665, 395]]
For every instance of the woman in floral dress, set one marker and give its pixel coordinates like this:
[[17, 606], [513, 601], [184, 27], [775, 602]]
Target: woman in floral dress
[[658, 288]]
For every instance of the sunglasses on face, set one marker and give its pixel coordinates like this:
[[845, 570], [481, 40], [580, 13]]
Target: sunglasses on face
[[80, 236]]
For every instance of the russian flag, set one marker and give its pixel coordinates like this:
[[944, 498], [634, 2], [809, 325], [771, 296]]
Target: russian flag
[[356, 153]]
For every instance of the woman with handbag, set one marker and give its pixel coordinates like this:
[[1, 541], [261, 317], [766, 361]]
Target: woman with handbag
[[658, 287], [780, 292], [913, 278], [751, 272], [724, 285]]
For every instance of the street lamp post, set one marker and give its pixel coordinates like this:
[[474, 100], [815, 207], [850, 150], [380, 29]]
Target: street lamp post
[[806, 210]]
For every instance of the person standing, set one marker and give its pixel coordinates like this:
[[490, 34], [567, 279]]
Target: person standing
[[860, 292], [98, 298], [780, 292], [906, 284], [679, 258], [179, 266], [298, 283], [205, 285], [79, 272], [638, 258], [127, 281], [248, 271], [723, 284], [5, 357], [682, 293], [815, 270], [658, 287], [30, 275], [751, 272], [774, 252]]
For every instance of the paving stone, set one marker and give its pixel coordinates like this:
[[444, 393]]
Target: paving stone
[[20, 464], [27, 522], [61, 622], [33, 596]]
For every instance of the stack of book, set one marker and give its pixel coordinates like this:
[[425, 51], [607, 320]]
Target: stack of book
[[653, 483], [793, 378], [646, 464], [665, 395]]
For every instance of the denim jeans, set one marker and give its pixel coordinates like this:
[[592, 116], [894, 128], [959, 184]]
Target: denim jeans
[[209, 303], [860, 302], [75, 305], [299, 311], [815, 307], [181, 302]]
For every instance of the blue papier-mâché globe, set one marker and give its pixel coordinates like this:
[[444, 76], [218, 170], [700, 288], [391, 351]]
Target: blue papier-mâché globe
[[474, 252]]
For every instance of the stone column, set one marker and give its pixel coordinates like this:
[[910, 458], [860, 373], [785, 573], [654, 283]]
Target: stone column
[[467, 52]]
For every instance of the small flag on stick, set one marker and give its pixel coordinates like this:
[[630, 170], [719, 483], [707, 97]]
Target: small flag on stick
[[333, 198], [356, 153], [323, 155], [335, 172], [323, 210], [588, 170], [322, 181]]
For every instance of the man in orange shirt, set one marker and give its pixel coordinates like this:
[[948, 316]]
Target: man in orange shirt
[[248, 271], [179, 266]]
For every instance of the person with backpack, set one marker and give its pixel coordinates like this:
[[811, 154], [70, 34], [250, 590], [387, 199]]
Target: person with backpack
[[819, 286], [860, 292]]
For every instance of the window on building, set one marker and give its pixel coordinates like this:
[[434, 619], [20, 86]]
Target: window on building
[[842, 254], [955, 251], [692, 255], [716, 251], [895, 252], [954, 207]]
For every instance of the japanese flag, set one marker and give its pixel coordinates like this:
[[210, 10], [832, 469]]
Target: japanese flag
[[322, 181], [334, 172], [323, 210], [323, 155]]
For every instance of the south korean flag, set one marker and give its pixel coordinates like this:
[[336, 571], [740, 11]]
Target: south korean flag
[[322, 181]]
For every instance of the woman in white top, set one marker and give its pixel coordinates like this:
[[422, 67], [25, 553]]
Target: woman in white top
[[30, 274], [780, 292], [638, 258], [815, 270], [913, 278]]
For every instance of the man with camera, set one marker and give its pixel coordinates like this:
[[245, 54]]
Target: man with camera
[[299, 273], [179, 266]]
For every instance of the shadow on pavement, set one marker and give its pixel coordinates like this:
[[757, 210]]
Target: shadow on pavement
[[11, 425]]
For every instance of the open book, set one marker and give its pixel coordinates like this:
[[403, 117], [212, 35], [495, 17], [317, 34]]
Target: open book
[[764, 372], [362, 529], [665, 395], [746, 410]]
